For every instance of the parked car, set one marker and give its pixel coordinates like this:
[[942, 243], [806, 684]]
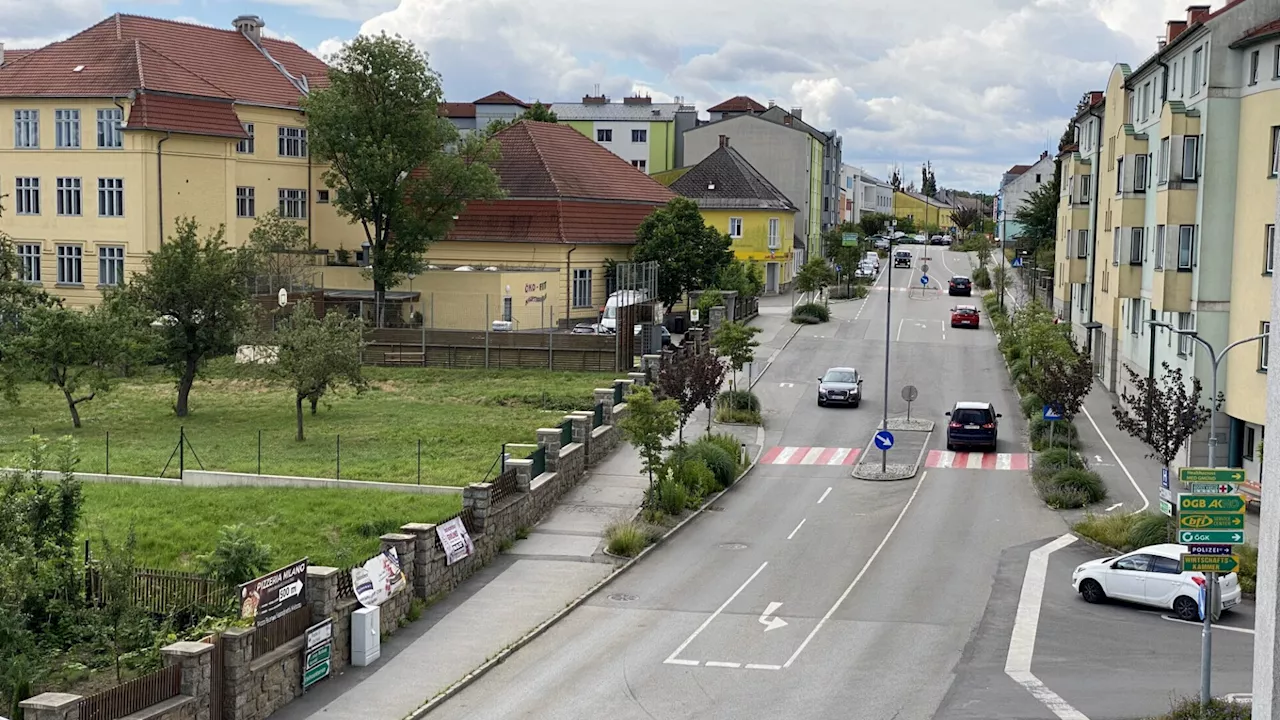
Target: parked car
[[936, 240], [973, 424], [873, 258], [1151, 576], [666, 334], [866, 270], [840, 386], [880, 242], [902, 258], [960, 285], [964, 316]]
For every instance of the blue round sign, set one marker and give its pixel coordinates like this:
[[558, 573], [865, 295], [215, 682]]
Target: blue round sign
[[884, 440], [924, 279]]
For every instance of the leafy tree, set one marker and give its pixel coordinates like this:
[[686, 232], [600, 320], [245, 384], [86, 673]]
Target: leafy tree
[[736, 341], [896, 179], [742, 277], [281, 256], [692, 380], [1063, 378], [16, 298], [395, 166], [966, 216], [814, 276], [314, 356], [873, 223], [120, 623], [689, 252], [1038, 216], [196, 288], [707, 300], [648, 423], [928, 183], [536, 112], [1162, 411], [238, 557], [906, 225]]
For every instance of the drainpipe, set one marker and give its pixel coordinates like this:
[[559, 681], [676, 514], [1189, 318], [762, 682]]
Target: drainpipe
[[310, 240], [1095, 174], [568, 291], [160, 181]]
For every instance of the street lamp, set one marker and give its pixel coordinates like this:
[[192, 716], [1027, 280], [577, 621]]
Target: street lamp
[[888, 305], [1211, 579]]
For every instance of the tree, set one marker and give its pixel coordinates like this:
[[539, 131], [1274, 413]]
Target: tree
[[120, 622], [896, 179], [1038, 216], [873, 223], [814, 277], [281, 256], [196, 288], [928, 183], [314, 356], [1063, 378], [238, 557], [648, 423], [742, 277], [16, 297], [689, 252], [692, 380], [536, 112], [395, 166], [1162, 411], [736, 341], [906, 225], [966, 216]]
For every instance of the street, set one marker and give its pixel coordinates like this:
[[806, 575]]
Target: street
[[806, 593]]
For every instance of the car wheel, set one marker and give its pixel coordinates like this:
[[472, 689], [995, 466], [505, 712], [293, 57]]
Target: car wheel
[[951, 447], [1186, 609], [856, 403], [822, 403], [1092, 592]]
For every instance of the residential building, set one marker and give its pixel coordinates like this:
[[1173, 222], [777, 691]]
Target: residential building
[[863, 193], [831, 150], [1016, 186], [738, 105], [648, 135], [735, 198], [923, 211], [110, 135], [477, 115], [570, 205]]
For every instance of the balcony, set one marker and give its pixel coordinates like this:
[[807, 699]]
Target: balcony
[[1128, 280], [1176, 204], [1130, 210], [1171, 291], [1077, 270]]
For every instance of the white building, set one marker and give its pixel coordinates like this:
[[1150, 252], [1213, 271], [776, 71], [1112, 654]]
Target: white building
[[646, 134], [1016, 185], [863, 193]]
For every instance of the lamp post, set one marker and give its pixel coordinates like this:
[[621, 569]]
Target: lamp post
[[888, 306], [1211, 579]]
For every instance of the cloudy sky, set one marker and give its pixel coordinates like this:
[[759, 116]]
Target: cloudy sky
[[972, 85]]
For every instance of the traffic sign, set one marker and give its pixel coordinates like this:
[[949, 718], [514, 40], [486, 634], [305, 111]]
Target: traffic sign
[[1164, 477], [1209, 563], [1223, 537], [924, 279], [1211, 488], [910, 393], [1052, 412], [1166, 507], [924, 268], [1209, 549], [1211, 521], [315, 674], [1211, 503], [1211, 475], [1017, 262], [884, 440]]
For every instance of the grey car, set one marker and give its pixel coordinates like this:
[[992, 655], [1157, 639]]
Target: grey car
[[840, 386]]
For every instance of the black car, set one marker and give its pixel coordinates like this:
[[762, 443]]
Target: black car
[[902, 258], [960, 285], [840, 386], [973, 424]]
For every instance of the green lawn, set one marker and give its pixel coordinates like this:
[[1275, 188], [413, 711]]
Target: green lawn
[[174, 525], [462, 418]]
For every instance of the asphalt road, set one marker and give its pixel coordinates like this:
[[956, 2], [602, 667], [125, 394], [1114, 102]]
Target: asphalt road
[[807, 593]]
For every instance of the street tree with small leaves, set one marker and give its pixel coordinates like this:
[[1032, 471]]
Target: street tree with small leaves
[[689, 252], [692, 380], [965, 217], [1063, 377], [1163, 411], [814, 277], [281, 256], [736, 342], [649, 422]]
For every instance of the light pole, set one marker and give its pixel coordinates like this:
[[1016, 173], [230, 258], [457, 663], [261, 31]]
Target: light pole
[[1211, 579], [888, 306]]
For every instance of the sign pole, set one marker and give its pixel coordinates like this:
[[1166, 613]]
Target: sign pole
[[888, 305]]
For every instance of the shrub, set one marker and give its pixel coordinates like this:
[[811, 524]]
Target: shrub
[[718, 461], [238, 557], [813, 309], [1032, 406], [1248, 570], [626, 538], [672, 496], [1109, 530], [1064, 435], [802, 319], [1189, 709], [738, 400], [1149, 529], [982, 278], [693, 474], [855, 291], [740, 417], [1084, 481], [722, 440], [1059, 497], [1058, 459]]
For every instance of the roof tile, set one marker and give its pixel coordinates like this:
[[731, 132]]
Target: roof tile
[[457, 110], [185, 115], [500, 98], [738, 103], [724, 179]]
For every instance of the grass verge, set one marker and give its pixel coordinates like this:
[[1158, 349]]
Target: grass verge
[[1189, 709], [628, 538]]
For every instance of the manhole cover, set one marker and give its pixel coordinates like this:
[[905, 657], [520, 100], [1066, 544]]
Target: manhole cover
[[716, 508], [619, 597], [732, 546]]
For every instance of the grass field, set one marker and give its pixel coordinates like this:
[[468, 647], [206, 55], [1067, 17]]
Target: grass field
[[462, 418], [174, 525]]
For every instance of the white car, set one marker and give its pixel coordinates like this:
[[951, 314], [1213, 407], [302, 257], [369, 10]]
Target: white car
[[1151, 576], [866, 270]]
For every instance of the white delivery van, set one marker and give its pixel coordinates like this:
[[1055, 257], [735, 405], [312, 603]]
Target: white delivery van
[[609, 318]]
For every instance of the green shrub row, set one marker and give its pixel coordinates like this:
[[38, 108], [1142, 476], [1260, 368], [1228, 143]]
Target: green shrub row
[[738, 406], [1189, 709], [982, 278], [810, 314]]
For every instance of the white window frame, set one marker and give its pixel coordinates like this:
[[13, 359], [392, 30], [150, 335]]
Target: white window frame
[[27, 195], [26, 129], [29, 262], [68, 194], [292, 141], [582, 287], [642, 165], [1135, 316], [293, 203], [246, 202], [1120, 175], [1163, 160], [1140, 176], [775, 233], [1084, 188], [110, 197], [1190, 157], [1186, 321], [1275, 150], [246, 146], [66, 129], [735, 227], [1186, 247], [1264, 345], [639, 135], [1269, 250], [70, 264], [1135, 245], [322, 197], [1197, 63], [110, 264], [1275, 69], [110, 135], [1160, 242], [604, 135], [1115, 246], [1254, 58], [1082, 244]]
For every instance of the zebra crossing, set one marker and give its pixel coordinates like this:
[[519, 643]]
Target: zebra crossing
[[809, 456], [977, 460]]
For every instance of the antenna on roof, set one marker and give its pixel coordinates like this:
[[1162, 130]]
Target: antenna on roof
[[597, 88]]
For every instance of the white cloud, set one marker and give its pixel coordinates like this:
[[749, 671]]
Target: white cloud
[[356, 10]]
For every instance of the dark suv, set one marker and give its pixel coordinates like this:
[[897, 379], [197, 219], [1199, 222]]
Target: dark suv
[[973, 424], [960, 285], [902, 258]]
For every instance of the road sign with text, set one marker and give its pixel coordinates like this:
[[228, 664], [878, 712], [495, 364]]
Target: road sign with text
[[1211, 521], [1188, 502], [1216, 537], [1209, 549], [1200, 488], [1210, 475], [1209, 563]]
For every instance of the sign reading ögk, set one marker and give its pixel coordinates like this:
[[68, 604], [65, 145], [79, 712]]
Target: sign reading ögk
[[275, 594]]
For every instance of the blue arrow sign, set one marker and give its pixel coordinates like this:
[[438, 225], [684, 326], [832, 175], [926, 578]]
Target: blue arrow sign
[[924, 279], [884, 440], [1017, 262], [1164, 478], [1052, 412]]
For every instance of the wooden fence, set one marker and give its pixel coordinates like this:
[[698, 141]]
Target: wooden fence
[[162, 592], [133, 696], [501, 350], [282, 630]]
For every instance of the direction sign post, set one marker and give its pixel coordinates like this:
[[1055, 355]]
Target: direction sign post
[[1209, 563], [1200, 537], [924, 280], [1216, 476], [909, 393]]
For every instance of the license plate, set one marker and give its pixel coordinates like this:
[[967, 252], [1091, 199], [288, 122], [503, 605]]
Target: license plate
[[970, 427], [1229, 603]]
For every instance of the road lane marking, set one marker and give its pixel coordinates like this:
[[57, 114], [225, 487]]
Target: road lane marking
[[824, 457], [841, 455], [793, 532], [974, 461], [899, 336], [1113, 507], [824, 495], [820, 456], [716, 614], [867, 566], [690, 663], [771, 455], [717, 663], [812, 456], [1003, 462], [1145, 502], [774, 622], [1022, 641], [754, 666], [1200, 624], [977, 461], [784, 457]]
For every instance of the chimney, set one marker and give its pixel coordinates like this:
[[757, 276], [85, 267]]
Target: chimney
[[637, 100], [1044, 154], [787, 121], [250, 26], [594, 99], [1197, 14], [1, 53], [1096, 97], [1173, 29], [798, 112], [724, 141]]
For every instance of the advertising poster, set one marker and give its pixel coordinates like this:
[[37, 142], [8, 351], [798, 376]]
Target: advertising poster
[[378, 579], [455, 539], [275, 594]]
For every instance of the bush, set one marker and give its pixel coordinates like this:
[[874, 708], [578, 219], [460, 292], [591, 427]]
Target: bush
[[668, 496], [738, 400], [1149, 529], [1065, 434], [739, 417], [1068, 488], [982, 279], [695, 477], [815, 310], [718, 462], [722, 440], [1189, 709], [1084, 481], [1032, 406], [1058, 459], [1248, 570], [801, 319], [1109, 530], [626, 538], [856, 291]]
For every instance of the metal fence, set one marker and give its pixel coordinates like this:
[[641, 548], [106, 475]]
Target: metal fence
[[133, 696], [504, 485], [566, 433], [282, 630], [539, 458], [597, 417]]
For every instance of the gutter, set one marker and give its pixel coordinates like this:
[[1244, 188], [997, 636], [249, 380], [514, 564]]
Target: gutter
[[1096, 174], [568, 287], [160, 181]]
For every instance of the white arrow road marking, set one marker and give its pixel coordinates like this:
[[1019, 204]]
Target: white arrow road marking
[[786, 384], [672, 657], [1098, 458], [1200, 624], [1113, 507], [772, 623]]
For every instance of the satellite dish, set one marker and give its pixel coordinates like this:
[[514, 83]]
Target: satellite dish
[[283, 297]]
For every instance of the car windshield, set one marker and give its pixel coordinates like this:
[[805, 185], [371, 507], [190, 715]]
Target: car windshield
[[966, 311], [970, 416], [960, 280], [840, 376]]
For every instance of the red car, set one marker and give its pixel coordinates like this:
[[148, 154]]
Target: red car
[[964, 316]]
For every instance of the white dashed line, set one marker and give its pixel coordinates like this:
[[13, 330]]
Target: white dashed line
[[671, 658], [824, 495], [793, 532], [717, 663], [753, 666]]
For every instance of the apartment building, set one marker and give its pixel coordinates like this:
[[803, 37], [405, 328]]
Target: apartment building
[[863, 193], [646, 134], [1016, 185]]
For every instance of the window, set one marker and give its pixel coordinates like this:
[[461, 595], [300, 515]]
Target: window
[[582, 287], [1119, 175], [1253, 66], [28, 195], [1081, 298], [604, 135], [1140, 173], [109, 134], [1115, 247], [66, 128], [293, 204], [639, 136], [322, 197], [29, 262], [1197, 59], [1185, 322], [1084, 188], [506, 309], [1082, 244], [1037, 178], [639, 164], [70, 264], [1250, 442], [68, 195], [1164, 160], [1269, 250], [110, 197], [1190, 153], [1275, 69], [245, 146], [1166, 565], [1264, 346], [735, 227], [293, 142], [775, 232], [245, 202], [111, 265], [26, 129], [1135, 316], [1173, 78], [1159, 247], [1186, 246], [1275, 150], [1135, 245]]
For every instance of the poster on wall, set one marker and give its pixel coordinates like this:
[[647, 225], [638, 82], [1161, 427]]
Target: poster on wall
[[455, 539], [378, 579], [275, 594]]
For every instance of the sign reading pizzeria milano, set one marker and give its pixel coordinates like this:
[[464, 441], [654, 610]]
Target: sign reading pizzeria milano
[[275, 594]]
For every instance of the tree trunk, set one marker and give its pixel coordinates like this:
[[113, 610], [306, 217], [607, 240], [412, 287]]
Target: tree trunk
[[298, 414], [184, 385], [314, 400], [71, 405]]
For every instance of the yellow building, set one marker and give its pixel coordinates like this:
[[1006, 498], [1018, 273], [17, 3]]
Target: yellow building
[[109, 136], [737, 200], [923, 211], [1073, 245]]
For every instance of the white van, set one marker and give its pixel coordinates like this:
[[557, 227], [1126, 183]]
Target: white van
[[609, 318]]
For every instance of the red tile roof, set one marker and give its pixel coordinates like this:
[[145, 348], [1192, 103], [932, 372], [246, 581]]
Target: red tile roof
[[11, 54], [500, 98], [1262, 31], [739, 103], [458, 110], [185, 115], [1017, 169], [550, 221], [131, 52]]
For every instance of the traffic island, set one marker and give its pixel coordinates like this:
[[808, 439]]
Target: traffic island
[[900, 444]]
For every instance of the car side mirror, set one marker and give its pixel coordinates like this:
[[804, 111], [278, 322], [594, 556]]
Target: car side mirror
[[947, 413], [999, 415]]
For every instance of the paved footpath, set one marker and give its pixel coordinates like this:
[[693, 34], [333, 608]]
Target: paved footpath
[[562, 558]]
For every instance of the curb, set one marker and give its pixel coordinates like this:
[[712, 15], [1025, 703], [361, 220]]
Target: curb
[[915, 469], [545, 625], [769, 363]]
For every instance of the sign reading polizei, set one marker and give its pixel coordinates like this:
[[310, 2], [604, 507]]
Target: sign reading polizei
[[275, 594]]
